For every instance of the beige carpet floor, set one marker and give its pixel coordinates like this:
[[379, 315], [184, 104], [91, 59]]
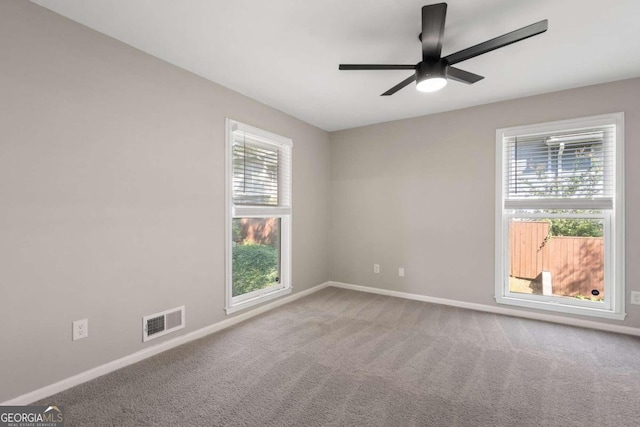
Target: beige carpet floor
[[345, 358]]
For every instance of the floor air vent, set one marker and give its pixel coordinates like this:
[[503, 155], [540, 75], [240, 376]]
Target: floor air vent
[[159, 324]]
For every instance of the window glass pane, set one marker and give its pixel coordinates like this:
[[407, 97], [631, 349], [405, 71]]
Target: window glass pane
[[256, 254], [561, 257]]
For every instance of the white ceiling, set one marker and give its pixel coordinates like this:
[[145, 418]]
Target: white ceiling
[[285, 53]]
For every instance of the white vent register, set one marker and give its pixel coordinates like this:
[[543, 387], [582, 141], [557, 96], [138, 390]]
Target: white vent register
[[159, 324]]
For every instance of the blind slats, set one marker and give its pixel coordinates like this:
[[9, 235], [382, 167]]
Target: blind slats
[[561, 166], [261, 171]]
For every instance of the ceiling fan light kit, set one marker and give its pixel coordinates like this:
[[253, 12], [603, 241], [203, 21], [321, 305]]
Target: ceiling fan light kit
[[433, 72], [431, 84], [431, 77]]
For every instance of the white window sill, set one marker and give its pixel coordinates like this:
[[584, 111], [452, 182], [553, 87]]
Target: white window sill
[[257, 300], [561, 308]]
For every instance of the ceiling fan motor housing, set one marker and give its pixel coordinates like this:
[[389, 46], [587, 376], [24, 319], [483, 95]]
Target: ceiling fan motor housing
[[430, 69]]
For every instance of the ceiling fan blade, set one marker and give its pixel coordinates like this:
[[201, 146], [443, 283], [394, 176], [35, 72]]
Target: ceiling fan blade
[[498, 42], [462, 76], [375, 67], [400, 85], [433, 18]]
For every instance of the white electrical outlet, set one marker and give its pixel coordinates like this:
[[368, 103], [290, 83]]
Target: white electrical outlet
[[635, 297], [401, 272], [376, 268], [80, 329]]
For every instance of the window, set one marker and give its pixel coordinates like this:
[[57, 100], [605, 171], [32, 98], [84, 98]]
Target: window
[[560, 216], [258, 240]]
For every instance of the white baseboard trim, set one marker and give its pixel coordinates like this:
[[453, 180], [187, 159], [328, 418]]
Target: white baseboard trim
[[496, 310], [114, 365]]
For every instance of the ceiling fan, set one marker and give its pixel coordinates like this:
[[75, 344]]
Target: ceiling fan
[[432, 72]]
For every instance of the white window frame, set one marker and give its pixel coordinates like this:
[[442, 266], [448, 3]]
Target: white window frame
[[614, 307], [232, 211]]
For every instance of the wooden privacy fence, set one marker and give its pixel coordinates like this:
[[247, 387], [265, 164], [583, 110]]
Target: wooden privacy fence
[[576, 264], [257, 231]]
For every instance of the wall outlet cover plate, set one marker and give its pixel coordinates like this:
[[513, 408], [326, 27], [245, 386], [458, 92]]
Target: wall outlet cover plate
[[80, 329]]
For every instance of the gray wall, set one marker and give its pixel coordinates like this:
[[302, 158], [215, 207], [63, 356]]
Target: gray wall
[[112, 195], [420, 194]]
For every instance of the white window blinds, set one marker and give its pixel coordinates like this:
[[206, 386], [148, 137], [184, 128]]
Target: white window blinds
[[569, 169], [261, 171]]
